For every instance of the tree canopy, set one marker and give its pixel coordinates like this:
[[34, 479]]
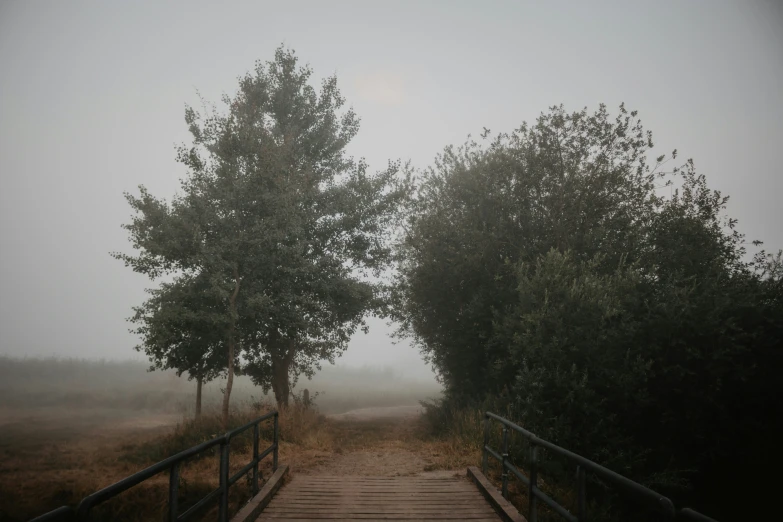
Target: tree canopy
[[276, 220], [599, 296]]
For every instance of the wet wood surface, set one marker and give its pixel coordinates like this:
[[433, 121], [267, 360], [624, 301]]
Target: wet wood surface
[[320, 497]]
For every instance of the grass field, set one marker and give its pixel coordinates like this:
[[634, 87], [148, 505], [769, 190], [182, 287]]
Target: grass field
[[70, 427]]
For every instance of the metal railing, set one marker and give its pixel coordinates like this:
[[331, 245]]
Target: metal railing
[[81, 512], [652, 500]]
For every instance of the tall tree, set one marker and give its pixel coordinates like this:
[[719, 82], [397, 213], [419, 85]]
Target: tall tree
[[275, 216]]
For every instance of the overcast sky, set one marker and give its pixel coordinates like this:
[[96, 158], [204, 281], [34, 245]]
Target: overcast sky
[[92, 99]]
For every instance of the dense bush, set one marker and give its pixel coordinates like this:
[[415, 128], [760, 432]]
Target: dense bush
[[550, 272]]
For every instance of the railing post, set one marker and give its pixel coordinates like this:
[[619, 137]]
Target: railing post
[[174, 492], [255, 459], [504, 490], [276, 436], [532, 514], [223, 510], [581, 508], [484, 452]]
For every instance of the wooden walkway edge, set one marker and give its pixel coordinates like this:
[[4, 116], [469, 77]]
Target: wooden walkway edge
[[504, 508], [253, 508]]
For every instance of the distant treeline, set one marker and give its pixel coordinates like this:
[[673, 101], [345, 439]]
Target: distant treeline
[[30, 383]]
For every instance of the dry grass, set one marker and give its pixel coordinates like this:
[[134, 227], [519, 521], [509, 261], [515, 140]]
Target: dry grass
[[36, 476], [71, 427], [39, 474]]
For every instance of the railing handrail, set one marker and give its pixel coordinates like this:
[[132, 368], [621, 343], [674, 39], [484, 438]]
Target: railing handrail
[[80, 513], [659, 502]]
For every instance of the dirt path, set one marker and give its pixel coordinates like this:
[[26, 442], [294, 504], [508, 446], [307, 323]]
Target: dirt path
[[382, 442], [389, 412]]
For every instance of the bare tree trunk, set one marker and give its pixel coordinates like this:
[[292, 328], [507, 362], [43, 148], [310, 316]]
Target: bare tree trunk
[[199, 382], [231, 340]]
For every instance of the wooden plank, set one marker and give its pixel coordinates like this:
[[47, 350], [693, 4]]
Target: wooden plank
[[390, 489], [459, 489], [379, 516], [304, 489], [379, 511], [420, 505], [472, 499], [387, 482], [423, 519], [255, 506], [348, 501], [503, 507], [322, 493], [451, 483], [446, 497], [361, 501], [379, 508], [365, 507], [457, 476], [368, 508], [386, 486], [368, 480], [439, 484], [355, 485], [433, 505], [383, 507], [381, 494], [385, 513], [442, 499], [378, 498], [373, 491]]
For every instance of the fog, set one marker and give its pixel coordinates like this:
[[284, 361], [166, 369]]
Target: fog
[[92, 98], [37, 389]]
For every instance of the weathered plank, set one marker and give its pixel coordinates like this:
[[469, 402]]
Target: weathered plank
[[378, 498], [459, 515], [260, 501], [504, 508]]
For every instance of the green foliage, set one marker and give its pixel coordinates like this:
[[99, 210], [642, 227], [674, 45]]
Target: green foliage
[[272, 233], [545, 274], [181, 327], [576, 371], [571, 182]]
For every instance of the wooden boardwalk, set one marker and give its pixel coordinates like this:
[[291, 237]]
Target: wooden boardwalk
[[320, 497]]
